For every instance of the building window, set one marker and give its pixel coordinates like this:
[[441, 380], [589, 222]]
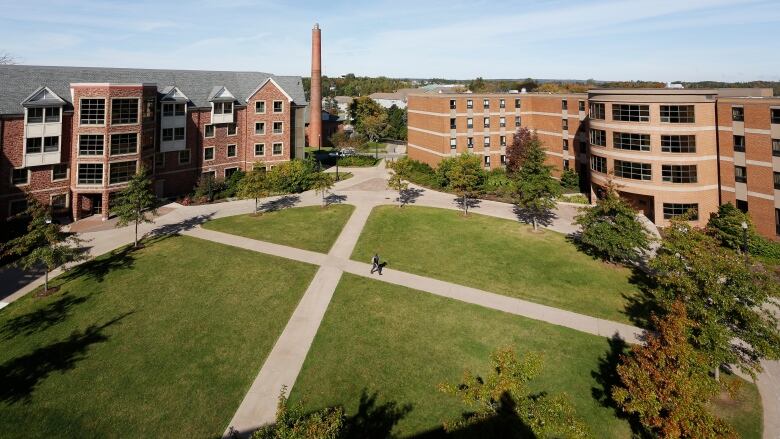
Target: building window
[[260, 168], [774, 115], [277, 149], [90, 173], [231, 151], [565, 124], [486, 142], [452, 123], [678, 173], [51, 144], [453, 143], [633, 170], [502, 141], [598, 137], [777, 221], [776, 147], [581, 105], [678, 144], [742, 205], [469, 104], [598, 164], [91, 144], [596, 111], [502, 122], [452, 104], [259, 128], [209, 174], [564, 104], [469, 142], [517, 121], [159, 160], [630, 113], [737, 114], [631, 141], [173, 110], [487, 161], [740, 174], [486, 122], [34, 115], [52, 114], [93, 111], [208, 131], [178, 133], [121, 172], [17, 207], [20, 176], [124, 143], [278, 127], [58, 202], [503, 160], [502, 103], [677, 114], [776, 176], [565, 144], [739, 143], [486, 103], [184, 157], [469, 123], [565, 165], [223, 108], [59, 172], [167, 134], [229, 172], [259, 149], [208, 153], [672, 210], [124, 111], [232, 129], [148, 108], [34, 145], [260, 107], [278, 106]]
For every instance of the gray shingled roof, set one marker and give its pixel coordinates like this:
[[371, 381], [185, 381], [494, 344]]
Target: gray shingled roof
[[18, 81]]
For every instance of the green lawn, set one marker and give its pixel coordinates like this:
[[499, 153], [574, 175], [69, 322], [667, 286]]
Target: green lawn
[[397, 344], [161, 342], [316, 228], [496, 255]]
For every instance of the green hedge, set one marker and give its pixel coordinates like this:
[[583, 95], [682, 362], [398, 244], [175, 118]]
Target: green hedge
[[358, 160]]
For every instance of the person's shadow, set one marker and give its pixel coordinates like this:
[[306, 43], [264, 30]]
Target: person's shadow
[[381, 266]]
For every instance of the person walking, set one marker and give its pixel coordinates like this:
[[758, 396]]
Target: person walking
[[375, 264]]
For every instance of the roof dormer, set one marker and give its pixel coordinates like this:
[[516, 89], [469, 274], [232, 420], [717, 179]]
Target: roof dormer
[[42, 127], [43, 97], [222, 105]]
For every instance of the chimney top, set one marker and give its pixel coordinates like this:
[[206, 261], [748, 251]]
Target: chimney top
[[316, 25]]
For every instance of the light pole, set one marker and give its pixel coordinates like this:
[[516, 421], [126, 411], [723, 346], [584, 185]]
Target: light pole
[[319, 142], [745, 240]]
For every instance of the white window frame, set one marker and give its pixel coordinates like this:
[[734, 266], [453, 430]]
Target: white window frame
[[27, 182], [67, 199], [103, 174], [214, 133], [108, 175], [263, 124], [273, 129], [272, 148], [138, 147], [227, 150], [227, 129], [105, 111], [273, 108], [189, 157], [224, 171], [264, 107], [160, 154], [256, 154], [67, 173], [138, 114], [213, 154]]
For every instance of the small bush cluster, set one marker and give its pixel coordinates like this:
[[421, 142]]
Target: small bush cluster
[[358, 161]]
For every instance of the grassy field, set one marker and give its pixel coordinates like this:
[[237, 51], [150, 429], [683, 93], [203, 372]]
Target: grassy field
[[316, 228], [393, 346], [496, 255], [160, 342]]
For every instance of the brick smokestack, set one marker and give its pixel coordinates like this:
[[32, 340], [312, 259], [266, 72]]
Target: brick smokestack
[[315, 101]]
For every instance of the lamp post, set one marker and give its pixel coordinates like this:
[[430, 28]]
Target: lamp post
[[319, 142], [745, 241], [338, 156]]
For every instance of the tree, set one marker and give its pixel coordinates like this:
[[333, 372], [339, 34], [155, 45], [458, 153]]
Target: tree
[[725, 225], [536, 187], [570, 180], [321, 184], [44, 243], [133, 201], [502, 403], [729, 300], [610, 229], [254, 184], [6, 59], [465, 176], [666, 384], [373, 126], [399, 172], [515, 152], [293, 422]]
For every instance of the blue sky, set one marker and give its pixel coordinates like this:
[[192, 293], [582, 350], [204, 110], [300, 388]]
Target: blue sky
[[664, 40]]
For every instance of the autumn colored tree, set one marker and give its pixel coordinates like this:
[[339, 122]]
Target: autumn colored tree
[[515, 152], [666, 384], [536, 187], [728, 299], [502, 403]]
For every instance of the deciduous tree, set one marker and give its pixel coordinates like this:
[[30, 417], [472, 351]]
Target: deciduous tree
[[666, 384], [515, 152], [536, 187], [321, 184], [399, 172], [135, 201], [44, 243], [465, 175], [254, 184]]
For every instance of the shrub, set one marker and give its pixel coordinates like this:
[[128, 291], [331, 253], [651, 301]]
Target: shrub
[[498, 183], [293, 177], [358, 160], [570, 180], [576, 198], [207, 188], [231, 185], [292, 422], [420, 173]]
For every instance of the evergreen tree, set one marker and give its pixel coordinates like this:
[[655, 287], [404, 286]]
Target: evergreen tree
[[536, 187], [134, 201], [611, 230], [44, 243]]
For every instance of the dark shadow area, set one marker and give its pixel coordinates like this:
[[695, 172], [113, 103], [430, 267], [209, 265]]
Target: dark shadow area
[[374, 420], [174, 229], [15, 278], [335, 199], [280, 203], [41, 319], [606, 377], [470, 202], [20, 376], [410, 195], [640, 306], [504, 424], [98, 268], [544, 218]]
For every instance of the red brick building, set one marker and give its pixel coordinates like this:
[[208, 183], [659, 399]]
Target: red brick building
[[73, 136], [669, 150]]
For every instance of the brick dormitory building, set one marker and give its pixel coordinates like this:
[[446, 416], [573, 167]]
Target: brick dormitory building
[[669, 150], [73, 136]]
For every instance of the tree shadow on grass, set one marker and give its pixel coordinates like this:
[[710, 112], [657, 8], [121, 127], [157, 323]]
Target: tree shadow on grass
[[98, 268], [42, 318], [641, 305], [374, 420], [544, 218], [606, 377], [21, 375], [280, 203]]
